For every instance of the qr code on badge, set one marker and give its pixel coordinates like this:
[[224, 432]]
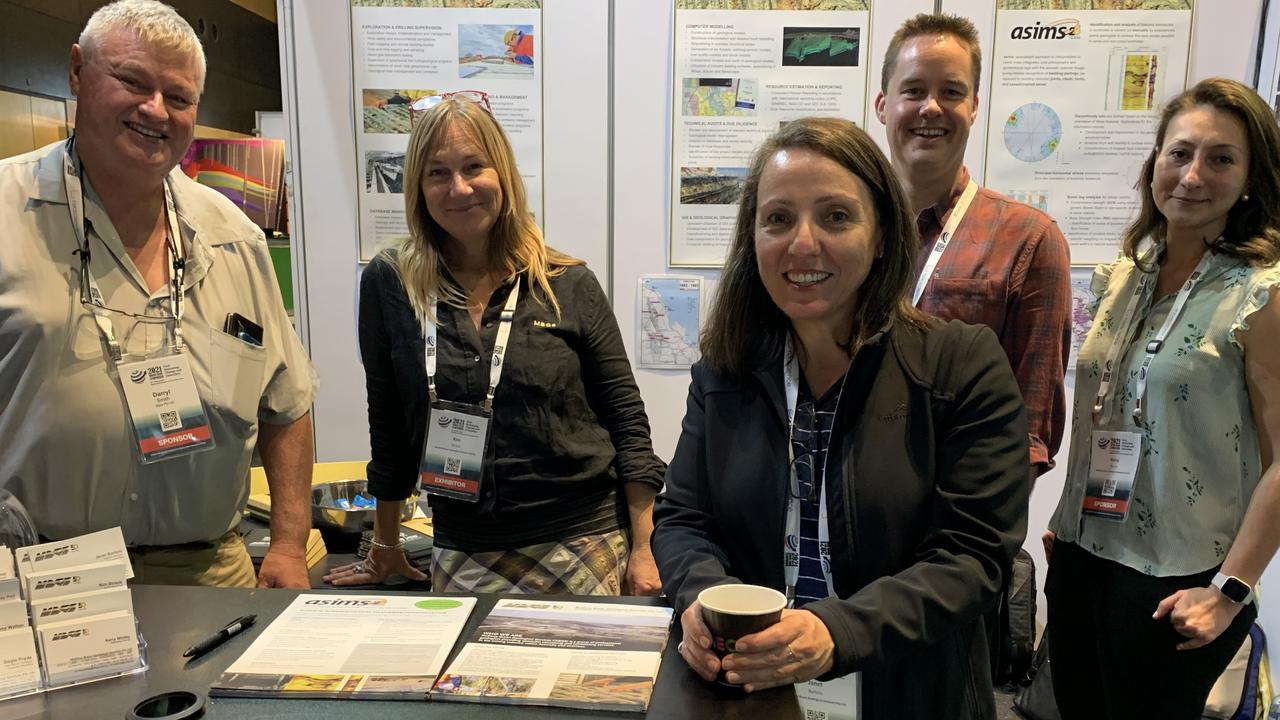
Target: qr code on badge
[[453, 465], [169, 421], [811, 714]]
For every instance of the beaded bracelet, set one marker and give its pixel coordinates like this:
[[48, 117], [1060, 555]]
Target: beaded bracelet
[[383, 546]]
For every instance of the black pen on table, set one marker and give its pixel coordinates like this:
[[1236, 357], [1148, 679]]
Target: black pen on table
[[232, 629]]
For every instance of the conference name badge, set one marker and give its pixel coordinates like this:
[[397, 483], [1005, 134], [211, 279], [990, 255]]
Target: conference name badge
[[1113, 468], [165, 408], [454, 450], [838, 699]]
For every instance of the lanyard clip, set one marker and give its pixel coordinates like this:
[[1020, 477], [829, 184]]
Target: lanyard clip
[[1154, 346]]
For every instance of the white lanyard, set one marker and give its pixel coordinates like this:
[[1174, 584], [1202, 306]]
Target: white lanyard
[[944, 238], [1125, 332], [791, 555], [499, 348], [74, 187]]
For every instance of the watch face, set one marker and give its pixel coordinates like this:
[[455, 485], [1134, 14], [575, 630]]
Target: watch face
[[1235, 590]]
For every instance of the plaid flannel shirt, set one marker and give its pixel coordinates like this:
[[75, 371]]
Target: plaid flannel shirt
[[1009, 268]]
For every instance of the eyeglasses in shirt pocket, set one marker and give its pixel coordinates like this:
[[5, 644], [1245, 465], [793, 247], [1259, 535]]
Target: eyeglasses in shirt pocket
[[236, 369]]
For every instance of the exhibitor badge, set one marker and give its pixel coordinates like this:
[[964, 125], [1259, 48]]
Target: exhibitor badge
[[453, 454]]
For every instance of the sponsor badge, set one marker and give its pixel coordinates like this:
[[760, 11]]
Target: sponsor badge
[[1113, 466], [454, 451], [168, 417]]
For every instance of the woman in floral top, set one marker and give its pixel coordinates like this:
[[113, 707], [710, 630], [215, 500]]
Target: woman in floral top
[[1167, 518]]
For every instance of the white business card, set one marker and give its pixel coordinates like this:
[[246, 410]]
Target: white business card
[[102, 546], [13, 613], [45, 584], [81, 605], [89, 647], [19, 666], [6, 563], [10, 589]]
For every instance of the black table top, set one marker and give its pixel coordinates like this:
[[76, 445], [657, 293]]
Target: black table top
[[173, 618]]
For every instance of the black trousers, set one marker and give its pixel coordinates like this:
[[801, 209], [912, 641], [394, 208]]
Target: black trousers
[[1110, 659]]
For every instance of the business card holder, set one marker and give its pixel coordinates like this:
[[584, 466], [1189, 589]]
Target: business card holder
[[47, 686]]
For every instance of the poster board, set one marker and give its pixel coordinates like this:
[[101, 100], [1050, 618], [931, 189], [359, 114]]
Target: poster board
[[406, 55], [741, 68], [1074, 100]]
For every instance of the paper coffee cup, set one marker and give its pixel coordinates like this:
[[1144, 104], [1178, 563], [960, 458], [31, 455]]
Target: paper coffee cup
[[735, 611]]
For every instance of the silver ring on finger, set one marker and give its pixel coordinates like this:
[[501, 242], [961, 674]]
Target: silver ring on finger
[[358, 568], [680, 647]]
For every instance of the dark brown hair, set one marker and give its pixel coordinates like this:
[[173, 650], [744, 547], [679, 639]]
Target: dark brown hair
[[1253, 226], [746, 329], [933, 24]]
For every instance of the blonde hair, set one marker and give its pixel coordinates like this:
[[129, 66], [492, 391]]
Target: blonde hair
[[153, 22], [516, 245]]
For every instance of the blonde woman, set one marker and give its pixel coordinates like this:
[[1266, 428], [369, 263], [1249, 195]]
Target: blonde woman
[[496, 373]]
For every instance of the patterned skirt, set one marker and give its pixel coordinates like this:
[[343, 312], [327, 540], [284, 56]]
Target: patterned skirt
[[587, 565]]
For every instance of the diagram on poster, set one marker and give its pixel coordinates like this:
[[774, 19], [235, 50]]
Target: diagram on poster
[[1076, 89], [407, 55], [742, 68], [670, 309], [1032, 132]]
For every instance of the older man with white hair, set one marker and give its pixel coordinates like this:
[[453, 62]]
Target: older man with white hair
[[144, 348]]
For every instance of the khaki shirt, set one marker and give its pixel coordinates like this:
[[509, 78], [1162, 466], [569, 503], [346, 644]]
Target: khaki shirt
[[67, 447]]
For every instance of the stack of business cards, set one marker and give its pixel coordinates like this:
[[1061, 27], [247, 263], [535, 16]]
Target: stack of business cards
[[48, 584], [10, 584], [19, 664], [102, 546], [88, 647], [80, 605]]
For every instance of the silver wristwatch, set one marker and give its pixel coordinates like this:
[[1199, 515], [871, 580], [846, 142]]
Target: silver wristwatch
[[1235, 589]]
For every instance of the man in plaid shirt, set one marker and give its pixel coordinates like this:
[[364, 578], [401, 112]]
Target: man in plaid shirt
[[1003, 264]]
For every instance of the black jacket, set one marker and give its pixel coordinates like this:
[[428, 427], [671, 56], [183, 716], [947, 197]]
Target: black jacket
[[928, 504], [569, 426]]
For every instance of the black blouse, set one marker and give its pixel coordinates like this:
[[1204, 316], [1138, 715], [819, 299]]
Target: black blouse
[[569, 425]]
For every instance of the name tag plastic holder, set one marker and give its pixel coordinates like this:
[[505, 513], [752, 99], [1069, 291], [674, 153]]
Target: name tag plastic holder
[[1114, 456], [168, 417], [455, 449]]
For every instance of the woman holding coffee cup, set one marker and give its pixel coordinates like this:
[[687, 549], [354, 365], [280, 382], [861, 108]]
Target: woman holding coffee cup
[[842, 447]]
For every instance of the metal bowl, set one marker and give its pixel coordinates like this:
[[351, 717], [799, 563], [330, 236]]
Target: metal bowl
[[325, 514]]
